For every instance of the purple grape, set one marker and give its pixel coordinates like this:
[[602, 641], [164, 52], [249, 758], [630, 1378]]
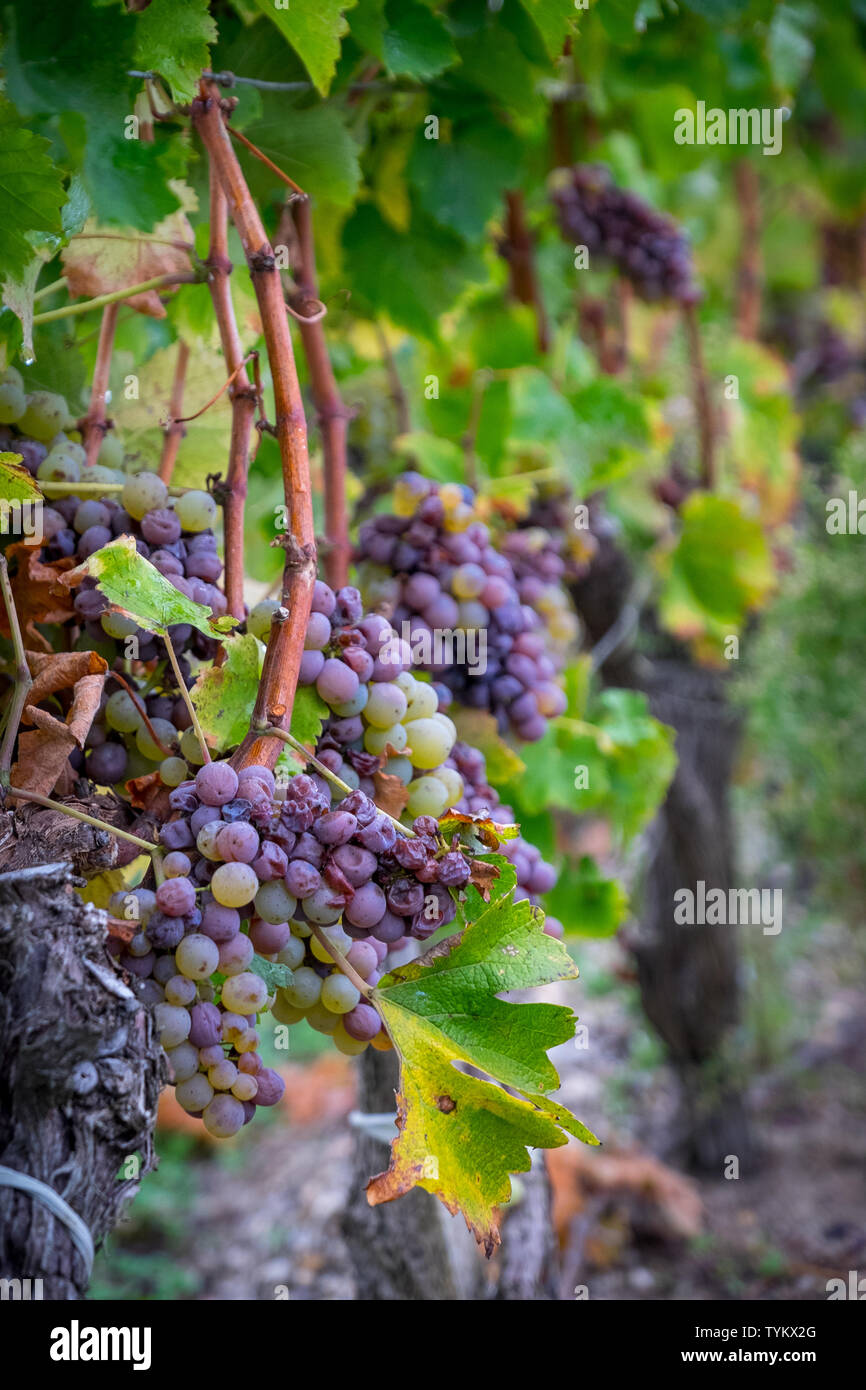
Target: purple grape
[[164, 932], [362, 1022], [337, 682], [216, 783], [271, 1087], [310, 668], [335, 828], [272, 862], [206, 1025], [405, 897], [367, 907], [357, 864], [107, 764], [302, 879], [238, 843], [175, 897], [324, 600], [220, 923], [176, 834], [93, 539]]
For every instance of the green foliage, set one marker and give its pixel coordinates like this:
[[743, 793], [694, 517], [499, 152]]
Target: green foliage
[[171, 39], [135, 587], [32, 192], [314, 29], [460, 1137], [807, 721]]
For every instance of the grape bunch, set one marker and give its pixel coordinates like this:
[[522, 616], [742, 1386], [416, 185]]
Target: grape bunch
[[381, 717], [540, 569], [433, 569], [649, 249], [535, 877], [253, 869]]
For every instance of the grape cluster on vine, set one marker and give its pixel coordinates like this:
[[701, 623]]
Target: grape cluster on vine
[[433, 568], [613, 223]]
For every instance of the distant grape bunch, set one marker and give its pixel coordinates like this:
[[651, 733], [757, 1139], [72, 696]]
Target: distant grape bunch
[[432, 565], [618, 227]]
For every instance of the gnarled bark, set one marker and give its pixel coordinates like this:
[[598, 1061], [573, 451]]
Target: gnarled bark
[[82, 1071]]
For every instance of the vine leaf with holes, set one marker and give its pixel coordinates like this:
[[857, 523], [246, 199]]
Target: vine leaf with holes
[[460, 1135], [135, 587], [224, 697]]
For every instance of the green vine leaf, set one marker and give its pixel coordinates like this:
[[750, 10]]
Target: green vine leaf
[[460, 1136], [275, 976], [224, 696], [171, 39], [314, 28], [136, 588], [16, 481], [32, 193]]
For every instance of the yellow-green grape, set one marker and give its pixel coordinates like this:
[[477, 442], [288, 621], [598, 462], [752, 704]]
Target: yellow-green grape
[[122, 713], [322, 1019], [58, 467], [111, 451], [142, 493], [197, 956], [400, 767], [338, 939], [173, 1024], [173, 771], [44, 415], [245, 993], [452, 782], [12, 377], [222, 1075], [205, 841], [422, 702], [430, 742], [375, 740], [196, 511], [458, 520], [446, 723], [305, 989], [292, 953], [146, 744], [13, 402], [407, 683], [284, 1012], [118, 626], [191, 748], [137, 765], [386, 705], [245, 1087], [63, 444], [234, 885], [408, 492], [339, 994], [194, 1093], [427, 797], [274, 903], [259, 621], [467, 581], [301, 930], [344, 1042], [184, 1061], [451, 496]]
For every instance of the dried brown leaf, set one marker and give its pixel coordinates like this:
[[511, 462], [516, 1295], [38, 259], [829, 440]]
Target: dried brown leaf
[[39, 598], [100, 261]]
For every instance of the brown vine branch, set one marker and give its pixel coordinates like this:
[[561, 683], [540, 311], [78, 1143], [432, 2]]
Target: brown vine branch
[[185, 420], [703, 405], [23, 679], [274, 168], [185, 696], [283, 658], [331, 414], [94, 427], [519, 251], [241, 394], [174, 430], [749, 268]]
